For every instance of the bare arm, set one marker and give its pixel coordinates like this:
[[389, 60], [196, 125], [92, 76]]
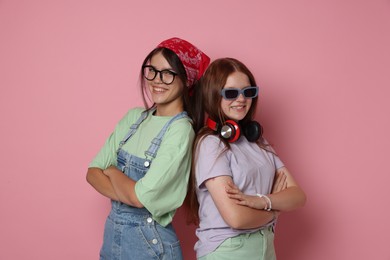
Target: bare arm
[[101, 183], [286, 194], [235, 215], [290, 198], [123, 186]]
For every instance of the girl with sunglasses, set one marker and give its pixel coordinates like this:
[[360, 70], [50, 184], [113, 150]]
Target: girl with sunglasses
[[144, 165], [238, 184]]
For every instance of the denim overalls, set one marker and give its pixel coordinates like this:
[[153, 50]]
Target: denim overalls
[[129, 232]]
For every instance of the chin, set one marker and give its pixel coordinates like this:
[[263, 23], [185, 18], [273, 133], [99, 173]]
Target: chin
[[236, 118]]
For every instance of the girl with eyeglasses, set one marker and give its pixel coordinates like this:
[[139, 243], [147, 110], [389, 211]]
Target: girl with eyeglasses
[[238, 184], [144, 165]]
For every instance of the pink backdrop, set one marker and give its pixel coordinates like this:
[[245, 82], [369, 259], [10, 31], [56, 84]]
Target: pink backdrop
[[68, 73]]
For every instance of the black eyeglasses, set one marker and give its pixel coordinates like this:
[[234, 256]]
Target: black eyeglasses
[[166, 76], [233, 93]]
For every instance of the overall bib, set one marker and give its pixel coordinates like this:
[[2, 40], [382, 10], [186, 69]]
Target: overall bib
[[132, 233]]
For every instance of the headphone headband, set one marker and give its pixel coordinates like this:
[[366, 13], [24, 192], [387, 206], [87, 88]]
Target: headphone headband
[[212, 124], [231, 130]]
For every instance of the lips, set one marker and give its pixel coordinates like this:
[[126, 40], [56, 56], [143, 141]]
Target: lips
[[159, 90], [238, 107]]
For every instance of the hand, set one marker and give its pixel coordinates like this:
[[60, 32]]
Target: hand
[[280, 182], [245, 200]]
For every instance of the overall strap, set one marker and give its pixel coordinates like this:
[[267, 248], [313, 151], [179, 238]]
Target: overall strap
[[155, 144], [133, 129]]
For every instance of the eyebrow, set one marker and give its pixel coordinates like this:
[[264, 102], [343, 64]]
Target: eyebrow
[[161, 69]]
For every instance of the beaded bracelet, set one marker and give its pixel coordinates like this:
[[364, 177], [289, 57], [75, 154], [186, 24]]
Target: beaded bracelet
[[268, 202]]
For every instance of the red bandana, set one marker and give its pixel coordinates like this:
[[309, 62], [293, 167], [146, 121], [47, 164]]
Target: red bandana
[[194, 60]]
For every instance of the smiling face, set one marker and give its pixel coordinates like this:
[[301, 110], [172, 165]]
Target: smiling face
[[168, 98], [238, 108]]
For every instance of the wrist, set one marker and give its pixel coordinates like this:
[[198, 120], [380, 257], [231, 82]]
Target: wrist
[[268, 203]]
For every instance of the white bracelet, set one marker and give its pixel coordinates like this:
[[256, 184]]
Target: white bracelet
[[268, 202]]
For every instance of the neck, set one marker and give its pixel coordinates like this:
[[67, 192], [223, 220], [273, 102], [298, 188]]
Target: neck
[[168, 110]]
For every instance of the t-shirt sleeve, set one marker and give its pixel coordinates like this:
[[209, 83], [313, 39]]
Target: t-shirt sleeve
[[163, 188], [107, 156], [212, 160], [274, 156], [278, 163]]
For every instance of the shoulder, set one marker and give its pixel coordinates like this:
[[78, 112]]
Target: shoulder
[[267, 146], [211, 140], [210, 143], [182, 127], [180, 133], [184, 122], [134, 112], [130, 117], [271, 153]]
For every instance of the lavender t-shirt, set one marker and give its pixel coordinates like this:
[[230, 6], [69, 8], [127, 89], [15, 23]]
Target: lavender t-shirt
[[252, 169]]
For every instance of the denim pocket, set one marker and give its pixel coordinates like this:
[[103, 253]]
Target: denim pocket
[[151, 240], [231, 244]]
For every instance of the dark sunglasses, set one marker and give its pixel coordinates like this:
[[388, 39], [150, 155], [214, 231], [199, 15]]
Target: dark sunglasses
[[233, 93]]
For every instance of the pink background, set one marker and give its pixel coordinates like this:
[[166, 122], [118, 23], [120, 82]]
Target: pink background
[[69, 72]]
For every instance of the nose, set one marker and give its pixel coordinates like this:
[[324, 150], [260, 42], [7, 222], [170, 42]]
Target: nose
[[241, 97]]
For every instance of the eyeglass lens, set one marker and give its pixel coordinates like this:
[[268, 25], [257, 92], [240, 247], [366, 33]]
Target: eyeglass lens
[[166, 76]]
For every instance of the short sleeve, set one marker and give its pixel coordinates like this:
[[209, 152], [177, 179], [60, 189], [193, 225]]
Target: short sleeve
[[212, 160], [278, 163], [276, 160], [107, 156], [163, 189]]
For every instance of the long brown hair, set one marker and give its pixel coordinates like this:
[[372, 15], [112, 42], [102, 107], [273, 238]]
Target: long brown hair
[[189, 102], [208, 101]]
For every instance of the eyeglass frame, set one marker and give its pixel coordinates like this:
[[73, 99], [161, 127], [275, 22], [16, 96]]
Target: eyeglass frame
[[174, 74], [240, 91]]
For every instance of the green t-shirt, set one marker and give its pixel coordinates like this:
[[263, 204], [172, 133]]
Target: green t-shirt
[[164, 186]]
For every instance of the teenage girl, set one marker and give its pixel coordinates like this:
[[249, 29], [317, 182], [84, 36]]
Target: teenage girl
[[144, 165], [238, 184]]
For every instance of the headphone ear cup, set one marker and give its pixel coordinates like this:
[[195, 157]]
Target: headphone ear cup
[[253, 131], [230, 131]]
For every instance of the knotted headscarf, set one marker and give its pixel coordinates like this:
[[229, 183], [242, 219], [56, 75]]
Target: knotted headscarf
[[194, 60]]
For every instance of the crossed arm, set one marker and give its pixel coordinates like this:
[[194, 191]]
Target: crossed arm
[[235, 215], [114, 184], [242, 211], [286, 194]]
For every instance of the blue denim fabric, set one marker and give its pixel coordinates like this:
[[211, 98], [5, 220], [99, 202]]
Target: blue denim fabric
[[129, 232]]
